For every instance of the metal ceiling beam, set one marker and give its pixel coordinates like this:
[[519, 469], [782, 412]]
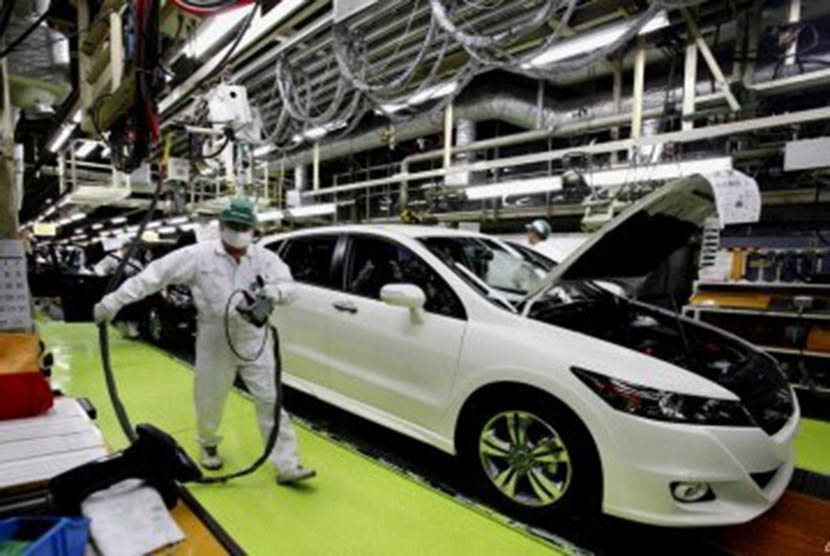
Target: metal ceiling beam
[[683, 136]]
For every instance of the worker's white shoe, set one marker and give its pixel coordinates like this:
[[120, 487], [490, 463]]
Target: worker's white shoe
[[295, 475], [209, 458]]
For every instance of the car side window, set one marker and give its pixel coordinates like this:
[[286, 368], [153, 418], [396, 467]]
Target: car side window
[[310, 258], [376, 262], [275, 246]]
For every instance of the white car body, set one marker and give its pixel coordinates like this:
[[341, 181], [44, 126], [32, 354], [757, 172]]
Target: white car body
[[413, 371]]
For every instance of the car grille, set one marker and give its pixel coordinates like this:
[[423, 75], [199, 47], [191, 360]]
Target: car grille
[[766, 394], [763, 479]]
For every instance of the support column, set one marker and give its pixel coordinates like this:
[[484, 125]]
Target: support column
[[752, 42], [714, 67], [465, 133], [448, 120], [639, 87], [316, 166], [794, 16], [8, 193], [616, 97], [689, 84], [294, 198]]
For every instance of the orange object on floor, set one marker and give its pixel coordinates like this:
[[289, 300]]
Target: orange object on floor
[[18, 353]]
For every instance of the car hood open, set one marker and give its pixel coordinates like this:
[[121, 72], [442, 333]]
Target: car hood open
[[637, 241]]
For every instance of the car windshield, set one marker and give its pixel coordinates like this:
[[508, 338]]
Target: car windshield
[[499, 272]]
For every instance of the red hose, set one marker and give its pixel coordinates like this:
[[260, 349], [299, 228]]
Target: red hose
[[186, 7]]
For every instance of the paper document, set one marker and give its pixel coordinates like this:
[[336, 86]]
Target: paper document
[[129, 519], [15, 310]]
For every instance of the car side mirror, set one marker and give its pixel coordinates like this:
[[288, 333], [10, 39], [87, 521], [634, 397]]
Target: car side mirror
[[403, 295]]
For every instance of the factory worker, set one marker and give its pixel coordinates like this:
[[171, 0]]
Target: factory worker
[[538, 232], [214, 270]]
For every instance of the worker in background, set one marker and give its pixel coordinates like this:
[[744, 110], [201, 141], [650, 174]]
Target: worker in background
[[538, 231], [115, 254], [214, 270]]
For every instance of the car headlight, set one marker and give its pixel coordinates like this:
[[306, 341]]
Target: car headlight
[[662, 405]]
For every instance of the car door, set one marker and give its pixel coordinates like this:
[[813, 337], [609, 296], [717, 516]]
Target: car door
[[302, 324], [395, 359]]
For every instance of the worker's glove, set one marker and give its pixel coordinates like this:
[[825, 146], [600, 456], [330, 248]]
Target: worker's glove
[[280, 294], [102, 314]]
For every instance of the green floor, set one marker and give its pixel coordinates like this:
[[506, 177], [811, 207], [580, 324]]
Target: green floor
[[812, 446], [355, 506]]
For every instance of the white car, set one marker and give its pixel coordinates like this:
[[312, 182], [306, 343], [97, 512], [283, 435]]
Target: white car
[[559, 396]]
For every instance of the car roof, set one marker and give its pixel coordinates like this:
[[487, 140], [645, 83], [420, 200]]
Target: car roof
[[405, 230]]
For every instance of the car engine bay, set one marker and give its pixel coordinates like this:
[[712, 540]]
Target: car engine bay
[[751, 375]]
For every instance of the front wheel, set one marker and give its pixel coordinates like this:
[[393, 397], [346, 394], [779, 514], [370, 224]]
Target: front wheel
[[533, 458]]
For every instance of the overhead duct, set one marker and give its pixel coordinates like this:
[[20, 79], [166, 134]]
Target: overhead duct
[[39, 68], [465, 133], [514, 107]]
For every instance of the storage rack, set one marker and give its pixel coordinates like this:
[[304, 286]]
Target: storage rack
[[807, 369]]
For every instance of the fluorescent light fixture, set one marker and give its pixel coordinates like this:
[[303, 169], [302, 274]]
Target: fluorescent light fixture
[[319, 132], [78, 116], [431, 93], [167, 230], [97, 226], [76, 217], [154, 224], [178, 220], [657, 172], [60, 138], [270, 216], [214, 30], [316, 133], [85, 149], [589, 41], [119, 220], [106, 152], [132, 229], [189, 227], [264, 150], [517, 187], [313, 210], [391, 108]]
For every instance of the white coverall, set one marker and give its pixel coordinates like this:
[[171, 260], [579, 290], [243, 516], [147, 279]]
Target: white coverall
[[212, 276]]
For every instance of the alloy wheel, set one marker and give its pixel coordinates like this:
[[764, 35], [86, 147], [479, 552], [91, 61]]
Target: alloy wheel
[[525, 458]]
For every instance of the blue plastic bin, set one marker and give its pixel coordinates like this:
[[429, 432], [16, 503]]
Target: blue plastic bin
[[50, 536]]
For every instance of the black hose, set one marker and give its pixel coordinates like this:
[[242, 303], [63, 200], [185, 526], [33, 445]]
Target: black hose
[[227, 319], [103, 332]]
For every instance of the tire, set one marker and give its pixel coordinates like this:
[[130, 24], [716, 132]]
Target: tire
[[563, 480]]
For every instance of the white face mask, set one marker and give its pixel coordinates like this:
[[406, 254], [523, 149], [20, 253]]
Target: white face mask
[[239, 240]]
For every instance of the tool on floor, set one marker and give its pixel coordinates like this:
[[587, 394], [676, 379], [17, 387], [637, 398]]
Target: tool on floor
[[154, 457]]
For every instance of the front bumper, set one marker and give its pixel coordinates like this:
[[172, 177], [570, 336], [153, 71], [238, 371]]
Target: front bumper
[[747, 470]]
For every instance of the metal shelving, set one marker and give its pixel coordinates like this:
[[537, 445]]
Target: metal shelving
[[763, 285], [754, 312]]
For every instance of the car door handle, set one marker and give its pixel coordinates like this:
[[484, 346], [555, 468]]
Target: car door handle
[[345, 307]]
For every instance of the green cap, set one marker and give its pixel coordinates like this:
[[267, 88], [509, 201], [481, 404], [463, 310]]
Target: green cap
[[241, 211]]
